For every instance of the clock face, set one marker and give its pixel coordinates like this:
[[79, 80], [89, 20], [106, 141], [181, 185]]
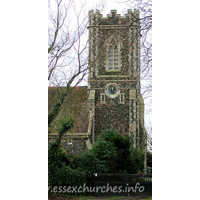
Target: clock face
[[112, 90]]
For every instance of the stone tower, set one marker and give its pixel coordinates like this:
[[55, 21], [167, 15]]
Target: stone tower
[[114, 95]]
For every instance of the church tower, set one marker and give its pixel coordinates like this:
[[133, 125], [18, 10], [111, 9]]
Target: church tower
[[114, 96]]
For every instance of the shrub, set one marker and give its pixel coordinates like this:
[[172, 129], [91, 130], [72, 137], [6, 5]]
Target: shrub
[[137, 160], [59, 173], [115, 152], [86, 162]]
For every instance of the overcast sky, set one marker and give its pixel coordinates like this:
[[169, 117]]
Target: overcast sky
[[110, 5]]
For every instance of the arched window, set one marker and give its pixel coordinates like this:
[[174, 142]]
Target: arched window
[[113, 57]]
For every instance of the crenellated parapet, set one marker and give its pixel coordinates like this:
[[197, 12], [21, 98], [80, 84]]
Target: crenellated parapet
[[97, 19]]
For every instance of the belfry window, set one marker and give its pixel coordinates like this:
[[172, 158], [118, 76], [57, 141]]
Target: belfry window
[[113, 57]]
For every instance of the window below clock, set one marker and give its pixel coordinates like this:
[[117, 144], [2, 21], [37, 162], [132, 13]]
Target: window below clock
[[103, 98], [121, 98]]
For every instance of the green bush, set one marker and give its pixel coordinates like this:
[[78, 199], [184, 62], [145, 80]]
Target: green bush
[[105, 152], [59, 173], [137, 160], [86, 162], [110, 154], [149, 156], [116, 153]]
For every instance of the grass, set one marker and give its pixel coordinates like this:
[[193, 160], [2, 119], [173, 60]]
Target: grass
[[91, 197], [124, 197], [114, 198], [111, 198], [150, 198]]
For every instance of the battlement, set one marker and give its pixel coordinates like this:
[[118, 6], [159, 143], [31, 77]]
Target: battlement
[[96, 18], [113, 13]]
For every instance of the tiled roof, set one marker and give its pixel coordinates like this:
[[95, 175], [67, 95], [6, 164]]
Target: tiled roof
[[75, 105]]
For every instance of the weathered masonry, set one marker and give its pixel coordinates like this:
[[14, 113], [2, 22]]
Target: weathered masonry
[[114, 99]]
